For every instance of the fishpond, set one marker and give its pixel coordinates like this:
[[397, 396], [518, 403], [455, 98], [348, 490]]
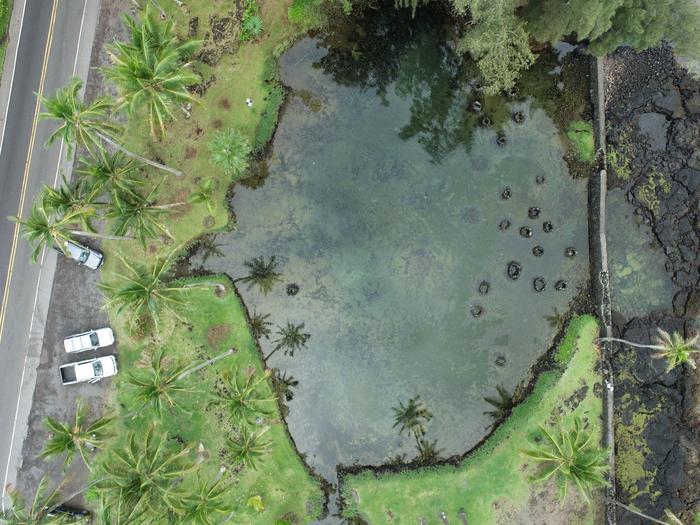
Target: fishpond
[[433, 233]]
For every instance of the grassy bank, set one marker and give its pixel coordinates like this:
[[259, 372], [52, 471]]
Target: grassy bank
[[281, 487], [492, 485], [5, 15]]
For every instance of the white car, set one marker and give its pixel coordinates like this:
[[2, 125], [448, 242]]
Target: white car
[[91, 340], [88, 371], [83, 255]]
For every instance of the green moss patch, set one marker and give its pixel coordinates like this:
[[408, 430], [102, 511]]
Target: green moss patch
[[491, 484], [580, 134]]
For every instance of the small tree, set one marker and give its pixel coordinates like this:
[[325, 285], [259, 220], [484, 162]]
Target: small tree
[[249, 447], [111, 173], [206, 504], [243, 398], [290, 338], [412, 417], [37, 513], [204, 194], [79, 437], [262, 274], [674, 348], [572, 457], [229, 151]]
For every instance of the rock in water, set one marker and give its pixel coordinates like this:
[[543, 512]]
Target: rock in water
[[539, 284], [513, 270]]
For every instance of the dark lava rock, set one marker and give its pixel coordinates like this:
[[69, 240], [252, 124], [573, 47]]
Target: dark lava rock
[[506, 194], [501, 140], [525, 232], [292, 289], [512, 92], [504, 224], [547, 226], [570, 252], [539, 284], [500, 360], [540, 179], [519, 117], [484, 287], [476, 106], [533, 212], [538, 251], [514, 269], [476, 311], [560, 285], [485, 122]]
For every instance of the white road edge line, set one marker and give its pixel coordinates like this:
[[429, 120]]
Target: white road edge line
[[12, 77], [41, 266]]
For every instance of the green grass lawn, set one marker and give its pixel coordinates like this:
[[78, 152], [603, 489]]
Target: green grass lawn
[[210, 323], [580, 133], [492, 485]]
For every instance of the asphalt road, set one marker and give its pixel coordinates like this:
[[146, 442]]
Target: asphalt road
[[55, 41]]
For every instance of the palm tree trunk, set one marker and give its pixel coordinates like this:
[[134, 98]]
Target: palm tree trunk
[[121, 148], [630, 343], [171, 205], [205, 364], [72, 495], [101, 235], [637, 513]]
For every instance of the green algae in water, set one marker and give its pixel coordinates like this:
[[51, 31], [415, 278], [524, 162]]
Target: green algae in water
[[384, 207]]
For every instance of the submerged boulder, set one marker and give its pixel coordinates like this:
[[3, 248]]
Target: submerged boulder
[[513, 270], [539, 284]]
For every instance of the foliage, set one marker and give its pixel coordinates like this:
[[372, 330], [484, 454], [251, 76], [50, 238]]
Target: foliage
[[208, 247], [413, 4], [204, 194], [412, 417], [428, 452], [647, 192], [206, 504], [144, 293], [498, 41], [620, 163], [149, 70], [229, 151], [141, 480], [35, 514], [252, 23], [256, 503], [5, 15], [79, 123], [675, 349], [79, 437], [249, 447], [308, 13], [580, 134], [243, 398], [572, 456], [158, 386], [262, 274], [290, 338], [111, 173]]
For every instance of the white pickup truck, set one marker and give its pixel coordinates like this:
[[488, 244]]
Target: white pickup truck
[[91, 340], [90, 370]]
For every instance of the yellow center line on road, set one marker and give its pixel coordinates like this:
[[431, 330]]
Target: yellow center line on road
[[25, 179]]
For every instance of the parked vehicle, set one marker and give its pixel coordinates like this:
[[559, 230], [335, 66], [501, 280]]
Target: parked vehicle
[[83, 255], [70, 513], [90, 370], [91, 340]]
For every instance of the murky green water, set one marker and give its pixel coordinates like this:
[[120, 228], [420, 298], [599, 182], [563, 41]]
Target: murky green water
[[383, 204], [638, 277]]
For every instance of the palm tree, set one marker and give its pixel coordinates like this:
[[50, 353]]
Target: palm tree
[[204, 195], [36, 514], [81, 437], [260, 326], [291, 338], [45, 229], [145, 293], [428, 453], [111, 173], [243, 398], [156, 386], [248, 448], [149, 71], [136, 214], [412, 417], [86, 125], [160, 384], [261, 273], [572, 456], [229, 151], [77, 196], [206, 503], [674, 348], [142, 478], [502, 405]]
